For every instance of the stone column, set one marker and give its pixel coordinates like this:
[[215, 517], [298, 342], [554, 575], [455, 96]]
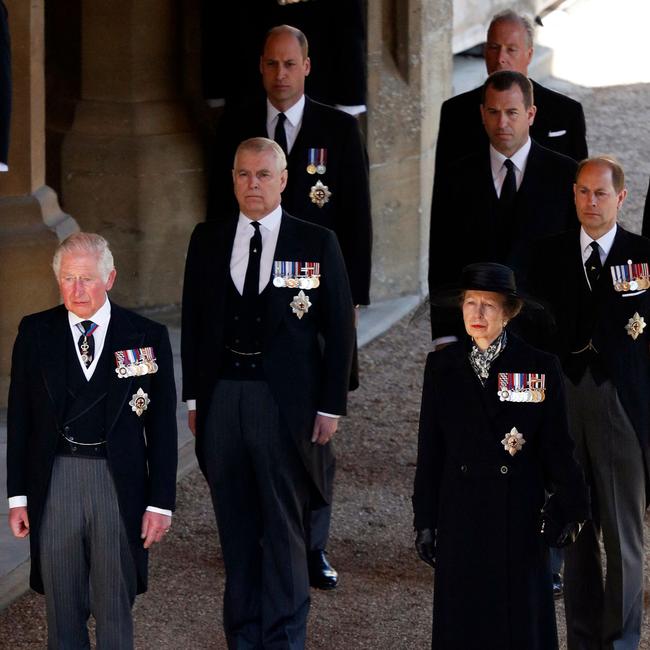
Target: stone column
[[132, 167], [410, 68], [30, 216]]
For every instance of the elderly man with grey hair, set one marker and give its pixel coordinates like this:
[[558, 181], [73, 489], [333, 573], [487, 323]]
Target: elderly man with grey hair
[[91, 449]]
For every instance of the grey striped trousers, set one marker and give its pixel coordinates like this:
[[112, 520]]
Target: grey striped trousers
[[85, 559]]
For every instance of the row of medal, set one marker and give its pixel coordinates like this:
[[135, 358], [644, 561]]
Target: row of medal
[[522, 387], [317, 161], [296, 275], [630, 277], [135, 363]]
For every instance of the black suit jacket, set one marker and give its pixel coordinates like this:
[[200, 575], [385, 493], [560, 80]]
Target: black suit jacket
[[645, 224], [559, 125], [464, 219], [306, 361], [557, 274], [335, 30], [5, 84], [348, 211], [141, 451]]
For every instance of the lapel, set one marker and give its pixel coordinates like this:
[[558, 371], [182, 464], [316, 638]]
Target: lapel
[[220, 274], [51, 354], [604, 288], [121, 335], [305, 127]]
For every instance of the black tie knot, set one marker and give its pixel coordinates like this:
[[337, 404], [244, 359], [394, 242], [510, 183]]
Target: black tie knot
[[509, 165]]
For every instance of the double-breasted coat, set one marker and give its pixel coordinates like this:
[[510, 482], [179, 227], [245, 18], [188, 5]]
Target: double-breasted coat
[[492, 577]]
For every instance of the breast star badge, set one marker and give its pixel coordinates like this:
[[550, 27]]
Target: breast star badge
[[635, 325], [139, 402], [320, 194], [300, 304], [513, 442]]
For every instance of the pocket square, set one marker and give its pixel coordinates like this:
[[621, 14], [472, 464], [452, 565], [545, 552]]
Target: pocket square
[[556, 134]]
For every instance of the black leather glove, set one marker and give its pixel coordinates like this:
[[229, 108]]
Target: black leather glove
[[425, 545], [559, 536]]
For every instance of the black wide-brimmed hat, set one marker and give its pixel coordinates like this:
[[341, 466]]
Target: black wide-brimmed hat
[[483, 276]]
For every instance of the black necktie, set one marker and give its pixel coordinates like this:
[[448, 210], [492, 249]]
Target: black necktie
[[252, 279], [509, 187], [593, 265], [280, 135], [86, 341]]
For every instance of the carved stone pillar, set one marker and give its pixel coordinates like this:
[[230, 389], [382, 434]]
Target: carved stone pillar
[[132, 167]]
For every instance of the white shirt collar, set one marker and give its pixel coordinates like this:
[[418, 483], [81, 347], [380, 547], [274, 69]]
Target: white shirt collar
[[293, 114], [605, 242], [519, 158], [270, 222], [101, 317]]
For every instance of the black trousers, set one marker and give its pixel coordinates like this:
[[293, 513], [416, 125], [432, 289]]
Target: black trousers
[[259, 489]]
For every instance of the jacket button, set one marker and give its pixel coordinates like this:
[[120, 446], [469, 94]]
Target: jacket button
[[66, 429], [73, 448], [463, 469], [504, 469], [252, 365]]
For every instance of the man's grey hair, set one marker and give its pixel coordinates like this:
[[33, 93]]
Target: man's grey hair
[[260, 145], [85, 243], [510, 16]]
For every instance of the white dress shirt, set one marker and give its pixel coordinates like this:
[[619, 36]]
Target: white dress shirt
[[604, 246], [499, 170], [101, 318], [291, 125]]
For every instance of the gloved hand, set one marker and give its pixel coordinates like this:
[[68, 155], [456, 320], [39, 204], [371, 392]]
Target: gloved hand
[[425, 545], [559, 536]]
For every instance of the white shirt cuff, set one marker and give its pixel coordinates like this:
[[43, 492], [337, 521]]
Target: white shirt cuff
[[160, 511], [441, 340], [352, 110], [4, 167], [328, 415], [191, 404], [18, 502]]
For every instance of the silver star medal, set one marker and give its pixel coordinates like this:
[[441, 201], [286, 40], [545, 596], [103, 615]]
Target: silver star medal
[[320, 194], [513, 442], [139, 402], [300, 304], [635, 325]]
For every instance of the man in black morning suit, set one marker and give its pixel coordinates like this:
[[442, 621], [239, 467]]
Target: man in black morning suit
[[496, 202], [91, 452], [598, 292], [266, 363], [559, 122], [334, 192]]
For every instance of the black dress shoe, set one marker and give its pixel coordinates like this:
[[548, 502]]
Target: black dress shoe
[[558, 586], [322, 575]]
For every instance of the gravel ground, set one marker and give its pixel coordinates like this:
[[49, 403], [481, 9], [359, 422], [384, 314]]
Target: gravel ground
[[384, 599]]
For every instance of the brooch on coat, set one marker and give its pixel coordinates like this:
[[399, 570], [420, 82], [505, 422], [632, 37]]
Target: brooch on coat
[[635, 325], [139, 402], [513, 442], [300, 304], [522, 387], [319, 194]]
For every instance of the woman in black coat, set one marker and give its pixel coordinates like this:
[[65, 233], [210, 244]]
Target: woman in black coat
[[493, 439]]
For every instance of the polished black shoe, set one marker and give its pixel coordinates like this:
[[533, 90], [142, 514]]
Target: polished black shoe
[[322, 575], [558, 586]]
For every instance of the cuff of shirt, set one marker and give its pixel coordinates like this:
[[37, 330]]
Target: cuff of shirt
[[328, 415], [160, 511], [352, 110], [191, 404], [18, 502], [441, 340], [4, 167]]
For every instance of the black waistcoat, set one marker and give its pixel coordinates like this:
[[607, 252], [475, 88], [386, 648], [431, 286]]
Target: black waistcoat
[[84, 418], [576, 364], [243, 334]]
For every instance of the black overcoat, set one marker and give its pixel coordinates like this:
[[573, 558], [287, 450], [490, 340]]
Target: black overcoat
[[492, 577], [141, 450]]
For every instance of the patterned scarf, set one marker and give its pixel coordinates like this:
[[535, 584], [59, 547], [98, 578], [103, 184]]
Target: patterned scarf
[[481, 360]]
